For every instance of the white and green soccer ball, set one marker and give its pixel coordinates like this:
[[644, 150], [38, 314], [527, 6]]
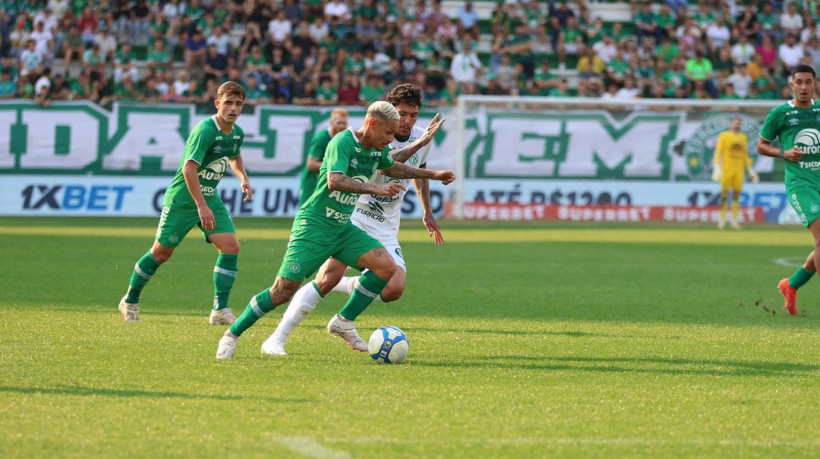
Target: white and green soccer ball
[[388, 344]]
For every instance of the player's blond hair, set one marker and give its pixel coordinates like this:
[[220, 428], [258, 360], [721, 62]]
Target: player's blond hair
[[383, 110]]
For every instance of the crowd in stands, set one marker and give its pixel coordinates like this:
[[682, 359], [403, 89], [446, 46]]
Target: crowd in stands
[[349, 52]]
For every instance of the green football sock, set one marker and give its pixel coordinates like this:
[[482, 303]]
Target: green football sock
[[800, 277], [145, 268], [259, 305], [366, 290], [224, 275]]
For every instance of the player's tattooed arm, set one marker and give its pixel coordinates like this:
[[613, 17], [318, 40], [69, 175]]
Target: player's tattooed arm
[[404, 171], [338, 181]]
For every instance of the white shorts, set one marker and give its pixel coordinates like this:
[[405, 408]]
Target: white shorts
[[390, 242]]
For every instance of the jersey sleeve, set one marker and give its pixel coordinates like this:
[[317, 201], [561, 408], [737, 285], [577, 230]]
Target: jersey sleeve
[[770, 126], [719, 149], [337, 155], [318, 145], [198, 144], [386, 161]]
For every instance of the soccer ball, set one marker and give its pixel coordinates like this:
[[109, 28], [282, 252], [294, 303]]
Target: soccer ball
[[388, 344]]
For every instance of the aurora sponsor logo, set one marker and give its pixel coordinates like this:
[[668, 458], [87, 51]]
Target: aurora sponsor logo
[[215, 170], [809, 141]]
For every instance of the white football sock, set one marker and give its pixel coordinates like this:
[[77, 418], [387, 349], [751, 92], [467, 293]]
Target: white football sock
[[345, 285], [304, 301]]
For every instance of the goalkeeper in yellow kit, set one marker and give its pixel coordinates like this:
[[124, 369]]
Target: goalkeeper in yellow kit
[[730, 161]]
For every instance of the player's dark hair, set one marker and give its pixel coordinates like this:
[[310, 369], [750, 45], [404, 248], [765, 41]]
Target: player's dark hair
[[406, 94], [803, 68], [230, 88]]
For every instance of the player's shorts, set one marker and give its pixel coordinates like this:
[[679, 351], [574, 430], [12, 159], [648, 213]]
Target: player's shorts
[[385, 236], [805, 201], [311, 244], [732, 180], [176, 221]]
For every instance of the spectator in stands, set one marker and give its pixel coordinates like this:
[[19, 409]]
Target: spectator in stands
[[293, 11], [126, 90], [742, 51], [467, 16], [327, 94], [44, 42], [791, 22], [789, 54], [18, 38], [372, 90], [348, 93], [769, 23], [107, 44], [306, 94], [674, 80], [544, 78], [765, 86], [94, 63], [196, 47], [42, 89], [279, 29], [465, 66], [216, 65], [222, 41], [717, 35], [747, 24], [158, 58], [505, 74], [562, 90], [124, 62], [767, 52], [73, 47], [570, 41], [8, 88], [813, 50], [336, 9], [88, 24], [646, 24], [82, 88], [254, 95], [740, 81], [59, 88], [30, 60], [394, 74], [604, 49], [699, 69]]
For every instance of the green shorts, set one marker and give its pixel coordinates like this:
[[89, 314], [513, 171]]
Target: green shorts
[[310, 245], [176, 221], [805, 201]]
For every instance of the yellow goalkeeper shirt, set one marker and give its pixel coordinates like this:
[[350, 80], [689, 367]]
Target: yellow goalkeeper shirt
[[732, 152]]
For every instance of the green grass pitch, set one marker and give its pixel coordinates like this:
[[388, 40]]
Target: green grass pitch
[[526, 340]]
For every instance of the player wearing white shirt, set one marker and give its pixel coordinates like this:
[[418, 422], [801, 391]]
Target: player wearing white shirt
[[378, 216]]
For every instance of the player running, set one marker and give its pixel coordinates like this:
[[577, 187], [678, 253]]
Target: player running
[[377, 215], [322, 228], [795, 124], [192, 200]]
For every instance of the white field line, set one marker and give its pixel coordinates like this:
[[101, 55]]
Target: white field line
[[308, 446], [573, 441]]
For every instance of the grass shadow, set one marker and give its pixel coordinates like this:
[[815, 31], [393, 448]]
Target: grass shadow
[[94, 392], [635, 365]]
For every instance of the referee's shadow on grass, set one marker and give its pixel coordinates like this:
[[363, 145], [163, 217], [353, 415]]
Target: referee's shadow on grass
[[638, 365], [100, 392]]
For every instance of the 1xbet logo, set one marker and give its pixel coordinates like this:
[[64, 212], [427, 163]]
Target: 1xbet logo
[[75, 197]]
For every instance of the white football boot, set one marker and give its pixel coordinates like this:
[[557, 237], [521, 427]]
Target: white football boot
[[226, 348], [130, 311], [347, 331], [221, 317]]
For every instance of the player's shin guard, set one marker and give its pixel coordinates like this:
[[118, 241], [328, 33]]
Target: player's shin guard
[[224, 275], [304, 301], [259, 305], [145, 268], [367, 288]]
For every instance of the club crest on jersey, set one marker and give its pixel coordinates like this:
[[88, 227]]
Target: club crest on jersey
[[354, 162]]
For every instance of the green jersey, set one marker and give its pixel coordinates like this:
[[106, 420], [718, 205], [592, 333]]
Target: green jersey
[[796, 126], [211, 149], [318, 145], [344, 153]]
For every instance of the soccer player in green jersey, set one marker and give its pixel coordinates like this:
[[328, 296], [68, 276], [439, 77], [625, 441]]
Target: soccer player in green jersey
[[322, 227], [796, 124], [316, 154], [192, 200]]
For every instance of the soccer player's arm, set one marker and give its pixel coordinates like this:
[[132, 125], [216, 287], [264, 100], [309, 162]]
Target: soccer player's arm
[[316, 153], [338, 160], [768, 132], [195, 149], [403, 171], [717, 169], [422, 187], [238, 167], [404, 153], [747, 160]]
